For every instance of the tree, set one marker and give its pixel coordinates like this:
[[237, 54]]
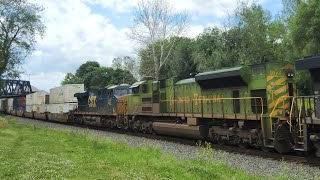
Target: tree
[[71, 79], [304, 28], [208, 49], [156, 22], [126, 63], [253, 27], [93, 76], [181, 62], [86, 68], [20, 23]]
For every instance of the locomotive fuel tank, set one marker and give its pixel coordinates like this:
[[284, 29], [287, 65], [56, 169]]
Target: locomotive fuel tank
[[181, 130]]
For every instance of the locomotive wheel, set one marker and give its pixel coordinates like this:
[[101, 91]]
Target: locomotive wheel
[[266, 149], [213, 136], [283, 139], [222, 141], [243, 145]]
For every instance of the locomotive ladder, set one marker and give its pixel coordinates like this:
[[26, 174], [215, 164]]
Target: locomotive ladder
[[306, 108], [298, 108]]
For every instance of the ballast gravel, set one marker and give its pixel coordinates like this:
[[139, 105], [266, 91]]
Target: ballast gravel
[[251, 164]]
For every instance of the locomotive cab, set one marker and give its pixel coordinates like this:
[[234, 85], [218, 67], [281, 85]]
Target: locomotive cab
[[144, 98]]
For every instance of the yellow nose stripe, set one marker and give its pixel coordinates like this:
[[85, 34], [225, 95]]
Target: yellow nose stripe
[[280, 81], [280, 90], [269, 78]]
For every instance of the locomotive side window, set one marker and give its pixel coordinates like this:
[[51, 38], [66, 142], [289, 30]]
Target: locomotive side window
[[258, 69], [256, 105], [162, 83], [135, 90]]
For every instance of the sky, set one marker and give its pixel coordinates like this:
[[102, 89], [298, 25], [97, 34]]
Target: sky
[[82, 30]]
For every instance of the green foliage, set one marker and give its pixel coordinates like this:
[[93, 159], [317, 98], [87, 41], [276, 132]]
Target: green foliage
[[20, 23], [305, 24], [42, 153], [146, 68], [180, 62], [253, 37], [86, 68], [93, 76], [215, 48], [304, 83]]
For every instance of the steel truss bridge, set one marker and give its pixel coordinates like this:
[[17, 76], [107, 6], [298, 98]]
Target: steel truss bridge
[[15, 88]]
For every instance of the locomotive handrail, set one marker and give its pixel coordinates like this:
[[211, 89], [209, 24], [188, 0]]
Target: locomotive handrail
[[302, 106], [290, 114], [300, 111], [218, 99]]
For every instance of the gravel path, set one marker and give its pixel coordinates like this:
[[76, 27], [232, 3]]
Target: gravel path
[[251, 164]]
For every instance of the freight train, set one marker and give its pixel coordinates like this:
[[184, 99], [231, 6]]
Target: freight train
[[255, 105]]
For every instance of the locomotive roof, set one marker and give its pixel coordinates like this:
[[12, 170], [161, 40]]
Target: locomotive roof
[[308, 63], [219, 73], [184, 81], [136, 84], [121, 85]]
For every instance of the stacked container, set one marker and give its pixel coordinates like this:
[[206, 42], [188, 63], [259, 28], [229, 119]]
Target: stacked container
[[3, 105], [62, 98], [10, 106], [37, 102], [19, 103]]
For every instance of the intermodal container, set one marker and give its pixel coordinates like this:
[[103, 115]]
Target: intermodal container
[[10, 105], [37, 98], [3, 105], [61, 108], [19, 103], [65, 93], [40, 108], [29, 108]]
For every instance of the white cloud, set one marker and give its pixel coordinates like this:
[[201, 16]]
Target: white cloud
[[44, 81], [74, 35], [216, 8], [194, 31]]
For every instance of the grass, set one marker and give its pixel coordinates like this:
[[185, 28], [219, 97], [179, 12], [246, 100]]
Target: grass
[[30, 152]]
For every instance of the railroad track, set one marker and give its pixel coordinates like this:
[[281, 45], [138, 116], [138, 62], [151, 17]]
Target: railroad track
[[292, 158]]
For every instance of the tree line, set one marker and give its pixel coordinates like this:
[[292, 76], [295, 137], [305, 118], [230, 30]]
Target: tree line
[[250, 35]]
